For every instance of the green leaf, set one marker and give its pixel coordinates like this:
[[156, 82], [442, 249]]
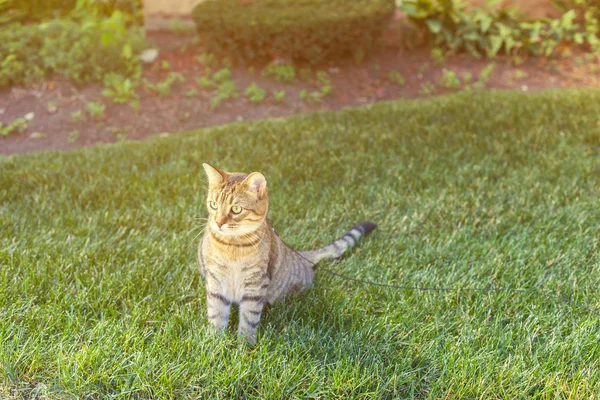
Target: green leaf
[[486, 22], [568, 18], [127, 52], [434, 25], [106, 38], [496, 44]]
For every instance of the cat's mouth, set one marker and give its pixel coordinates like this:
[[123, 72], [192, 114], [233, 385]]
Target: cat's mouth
[[232, 229]]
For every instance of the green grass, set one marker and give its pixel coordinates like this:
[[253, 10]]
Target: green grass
[[100, 293]]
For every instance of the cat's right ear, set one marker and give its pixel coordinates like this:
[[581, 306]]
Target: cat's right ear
[[215, 175]]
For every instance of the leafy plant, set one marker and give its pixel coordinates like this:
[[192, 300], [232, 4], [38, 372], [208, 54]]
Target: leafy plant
[[81, 50], [279, 95], [397, 78], [323, 77], [281, 72], [206, 82], [120, 89], [163, 88], [428, 88], [208, 60], [486, 72], [326, 87], [520, 74], [77, 116], [18, 125], [191, 93], [437, 56], [227, 90], [255, 94], [36, 11], [73, 136], [326, 90], [486, 32], [222, 75], [588, 12], [96, 110], [450, 80]]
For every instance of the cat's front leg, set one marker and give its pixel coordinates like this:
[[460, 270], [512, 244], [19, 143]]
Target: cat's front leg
[[251, 304], [217, 303]]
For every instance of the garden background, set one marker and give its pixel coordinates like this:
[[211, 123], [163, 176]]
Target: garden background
[[470, 134]]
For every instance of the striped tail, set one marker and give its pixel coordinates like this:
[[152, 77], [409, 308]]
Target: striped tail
[[337, 249]]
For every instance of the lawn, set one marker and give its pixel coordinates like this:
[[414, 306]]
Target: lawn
[[101, 296]]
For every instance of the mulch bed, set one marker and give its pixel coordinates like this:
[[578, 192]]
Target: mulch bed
[[354, 85]]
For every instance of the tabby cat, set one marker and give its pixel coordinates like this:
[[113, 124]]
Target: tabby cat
[[243, 259]]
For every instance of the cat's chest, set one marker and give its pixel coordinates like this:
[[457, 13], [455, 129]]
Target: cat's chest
[[234, 275]]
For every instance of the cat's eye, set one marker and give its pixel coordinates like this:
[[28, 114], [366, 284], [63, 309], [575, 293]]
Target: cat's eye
[[236, 209], [213, 205]]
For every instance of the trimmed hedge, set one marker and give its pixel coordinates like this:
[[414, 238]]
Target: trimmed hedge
[[301, 30]]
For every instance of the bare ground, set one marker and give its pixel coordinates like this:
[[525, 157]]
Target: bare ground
[[354, 84]]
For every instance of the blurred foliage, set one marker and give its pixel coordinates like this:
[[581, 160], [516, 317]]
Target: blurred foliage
[[26, 11], [306, 30], [488, 31], [588, 11], [80, 50]]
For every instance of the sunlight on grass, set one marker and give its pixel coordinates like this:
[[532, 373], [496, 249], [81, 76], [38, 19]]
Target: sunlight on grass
[[100, 293]]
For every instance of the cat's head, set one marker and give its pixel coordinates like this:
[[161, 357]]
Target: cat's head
[[237, 202]]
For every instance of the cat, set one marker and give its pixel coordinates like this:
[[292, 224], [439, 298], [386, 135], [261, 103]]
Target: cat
[[243, 260]]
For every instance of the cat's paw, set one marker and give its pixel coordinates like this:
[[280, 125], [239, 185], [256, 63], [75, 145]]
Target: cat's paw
[[250, 338]]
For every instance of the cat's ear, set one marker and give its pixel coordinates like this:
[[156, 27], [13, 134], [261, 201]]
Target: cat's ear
[[215, 175], [257, 184]]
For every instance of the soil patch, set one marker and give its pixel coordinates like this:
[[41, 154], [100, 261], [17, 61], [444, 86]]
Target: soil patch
[[53, 101]]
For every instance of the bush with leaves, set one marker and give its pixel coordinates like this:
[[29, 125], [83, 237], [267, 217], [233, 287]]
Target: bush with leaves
[[39, 10], [588, 12], [307, 30], [486, 32], [81, 51]]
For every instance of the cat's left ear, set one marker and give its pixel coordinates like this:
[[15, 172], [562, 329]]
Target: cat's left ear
[[257, 184]]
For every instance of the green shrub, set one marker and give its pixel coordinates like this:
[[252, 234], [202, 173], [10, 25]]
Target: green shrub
[[450, 80], [486, 32], [589, 12], [120, 89], [282, 73], [38, 10], [279, 96], [17, 126], [302, 30], [227, 90], [255, 93], [81, 51], [163, 88], [96, 110]]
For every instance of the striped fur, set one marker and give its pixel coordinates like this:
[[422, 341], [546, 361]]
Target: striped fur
[[242, 258]]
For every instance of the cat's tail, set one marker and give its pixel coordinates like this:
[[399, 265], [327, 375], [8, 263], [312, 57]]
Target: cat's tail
[[337, 249]]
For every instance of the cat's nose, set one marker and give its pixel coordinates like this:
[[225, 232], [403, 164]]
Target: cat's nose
[[219, 224]]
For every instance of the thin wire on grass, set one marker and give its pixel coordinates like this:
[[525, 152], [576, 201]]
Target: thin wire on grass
[[534, 291]]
